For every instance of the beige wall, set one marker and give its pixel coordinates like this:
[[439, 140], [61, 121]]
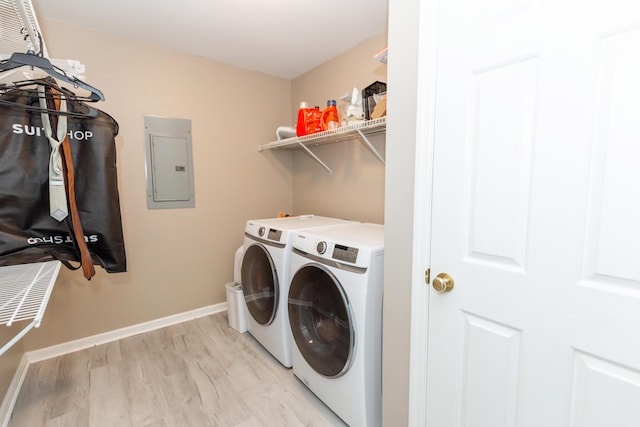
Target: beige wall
[[178, 259], [10, 360], [355, 190]]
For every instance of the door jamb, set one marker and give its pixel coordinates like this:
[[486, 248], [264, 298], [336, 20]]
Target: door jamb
[[423, 184]]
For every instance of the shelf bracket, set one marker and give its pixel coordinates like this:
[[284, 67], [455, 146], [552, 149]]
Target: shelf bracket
[[371, 147], [315, 157]]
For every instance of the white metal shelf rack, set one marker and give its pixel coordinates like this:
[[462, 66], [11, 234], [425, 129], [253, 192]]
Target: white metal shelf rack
[[24, 289], [24, 293], [362, 130]]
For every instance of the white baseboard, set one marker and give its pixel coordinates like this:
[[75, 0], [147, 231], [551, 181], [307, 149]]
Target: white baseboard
[[129, 331], [11, 395]]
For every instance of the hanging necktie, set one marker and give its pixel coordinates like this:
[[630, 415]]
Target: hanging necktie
[[57, 196], [61, 153]]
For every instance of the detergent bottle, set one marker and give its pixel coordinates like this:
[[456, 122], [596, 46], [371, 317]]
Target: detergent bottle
[[317, 120], [305, 116], [330, 117]]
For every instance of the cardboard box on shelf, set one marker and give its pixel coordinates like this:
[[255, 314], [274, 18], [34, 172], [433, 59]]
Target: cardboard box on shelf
[[368, 100], [380, 109]]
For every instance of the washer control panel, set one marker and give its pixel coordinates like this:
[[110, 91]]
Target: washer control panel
[[355, 245], [326, 249], [345, 253], [275, 234]]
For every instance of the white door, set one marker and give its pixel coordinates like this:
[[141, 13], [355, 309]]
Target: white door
[[536, 215]]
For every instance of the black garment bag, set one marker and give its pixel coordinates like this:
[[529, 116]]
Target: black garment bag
[[28, 233]]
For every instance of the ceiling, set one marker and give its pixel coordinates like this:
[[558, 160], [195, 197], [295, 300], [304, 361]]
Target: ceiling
[[283, 38]]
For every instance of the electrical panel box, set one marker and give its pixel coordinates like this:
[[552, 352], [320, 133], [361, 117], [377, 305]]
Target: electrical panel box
[[169, 163]]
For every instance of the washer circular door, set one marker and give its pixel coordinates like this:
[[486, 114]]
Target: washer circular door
[[260, 284], [321, 320]]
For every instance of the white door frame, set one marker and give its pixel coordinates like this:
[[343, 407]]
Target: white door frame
[[425, 118]]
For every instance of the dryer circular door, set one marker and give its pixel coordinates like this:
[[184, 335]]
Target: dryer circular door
[[259, 284], [321, 320]]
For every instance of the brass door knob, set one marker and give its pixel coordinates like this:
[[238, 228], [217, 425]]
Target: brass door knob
[[443, 283]]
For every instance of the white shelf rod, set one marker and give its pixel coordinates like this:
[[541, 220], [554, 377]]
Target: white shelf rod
[[315, 157], [371, 147], [15, 339]]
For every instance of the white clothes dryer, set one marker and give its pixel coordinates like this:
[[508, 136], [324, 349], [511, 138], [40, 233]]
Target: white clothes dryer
[[335, 315], [265, 278]]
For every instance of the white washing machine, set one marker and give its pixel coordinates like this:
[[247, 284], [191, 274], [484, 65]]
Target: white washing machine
[[265, 278], [335, 315]]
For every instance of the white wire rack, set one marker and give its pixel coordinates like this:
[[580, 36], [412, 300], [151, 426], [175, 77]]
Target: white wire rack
[[20, 29], [361, 130], [24, 289], [20, 32], [24, 293]]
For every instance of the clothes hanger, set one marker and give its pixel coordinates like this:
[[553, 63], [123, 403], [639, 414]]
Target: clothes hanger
[[77, 108], [43, 81], [33, 60]]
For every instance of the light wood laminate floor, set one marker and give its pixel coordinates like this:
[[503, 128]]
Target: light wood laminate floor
[[197, 373]]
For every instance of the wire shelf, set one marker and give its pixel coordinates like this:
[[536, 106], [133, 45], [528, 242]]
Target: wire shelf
[[20, 29], [24, 293], [361, 130], [368, 127]]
